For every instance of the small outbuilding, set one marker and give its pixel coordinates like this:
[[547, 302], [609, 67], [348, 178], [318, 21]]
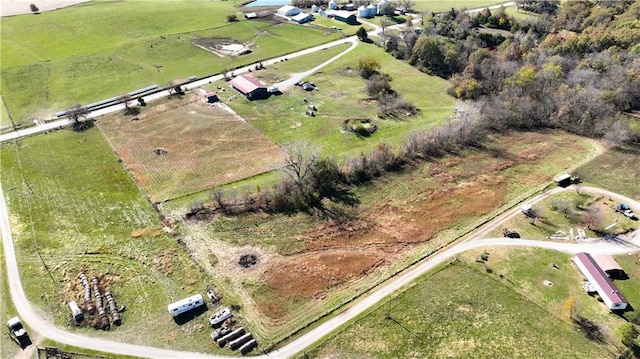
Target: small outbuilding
[[346, 17], [211, 97], [609, 265], [251, 15], [250, 87], [289, 10], [609, 293], [302, 18], [563, 180]]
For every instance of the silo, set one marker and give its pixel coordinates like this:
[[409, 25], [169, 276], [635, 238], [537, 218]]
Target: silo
[[314, 8], [363, 11], [373, 10], [333, 5]]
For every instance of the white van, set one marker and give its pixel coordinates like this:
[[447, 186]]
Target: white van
[[184, 305]]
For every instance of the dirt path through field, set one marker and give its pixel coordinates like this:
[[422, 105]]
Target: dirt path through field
[[17, 7]]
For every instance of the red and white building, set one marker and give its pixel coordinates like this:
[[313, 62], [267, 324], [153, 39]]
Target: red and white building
[[600, 281], [249, 87]]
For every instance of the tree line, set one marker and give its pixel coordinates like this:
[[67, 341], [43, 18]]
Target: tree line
[[574, 66]]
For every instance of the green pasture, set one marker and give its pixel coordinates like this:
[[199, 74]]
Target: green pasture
[[554, 220], [446, 5], [43, 75], [616, 170], [72, 203], [341, 95], [461, 310]]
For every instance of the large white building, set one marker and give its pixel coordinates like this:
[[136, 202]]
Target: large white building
[[289, 10], [600, 281]]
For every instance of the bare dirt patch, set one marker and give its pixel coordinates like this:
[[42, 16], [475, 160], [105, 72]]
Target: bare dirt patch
[[310, 275], [205, 146]]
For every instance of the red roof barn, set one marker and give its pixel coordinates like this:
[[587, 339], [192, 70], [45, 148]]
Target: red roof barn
[[249, 87], [211, 97]]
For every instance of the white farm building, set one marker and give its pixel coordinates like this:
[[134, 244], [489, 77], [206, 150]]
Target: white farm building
[[289, 11]]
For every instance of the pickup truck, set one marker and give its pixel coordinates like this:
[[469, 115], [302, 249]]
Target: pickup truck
[[625, 210], [18, 333]]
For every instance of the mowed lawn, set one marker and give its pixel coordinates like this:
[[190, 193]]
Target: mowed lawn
[[459, 312], [206, 147], [103, 49], [70, 199], [341, 95]]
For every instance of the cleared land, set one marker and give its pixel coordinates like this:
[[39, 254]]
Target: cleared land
[[463, 310], [82, 212], [307, 267], [42, 75], [205, 146]]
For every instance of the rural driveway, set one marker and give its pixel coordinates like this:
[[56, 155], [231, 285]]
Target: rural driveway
[[47, 329]]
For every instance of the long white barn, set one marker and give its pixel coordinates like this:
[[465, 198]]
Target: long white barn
[[604, 286]]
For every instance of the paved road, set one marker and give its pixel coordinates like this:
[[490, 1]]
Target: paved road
[[56, 124], [48, 329]]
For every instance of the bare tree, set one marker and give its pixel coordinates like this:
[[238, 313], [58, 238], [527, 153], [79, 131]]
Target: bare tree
[[384, 24], [616, 135], [593, 218], [77, 112], [300, 158]]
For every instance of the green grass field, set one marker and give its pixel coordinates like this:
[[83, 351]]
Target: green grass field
[[459, 313], [80, 209], [446, 5], [616, 170], [42, 76], [463, 311], [341, 95]]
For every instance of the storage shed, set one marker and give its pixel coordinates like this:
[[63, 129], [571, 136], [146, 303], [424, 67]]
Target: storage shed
[[250, 87], [563, 180], [603, 285], [609, 265], [346, 17], [289, 10], [211, 97], [302, 18]]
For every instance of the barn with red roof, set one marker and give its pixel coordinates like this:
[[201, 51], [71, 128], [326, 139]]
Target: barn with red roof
[[249, 87]]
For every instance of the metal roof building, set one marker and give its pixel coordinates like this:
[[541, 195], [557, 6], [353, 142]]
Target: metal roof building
[[609, 265], [604, 286], [249, 87]]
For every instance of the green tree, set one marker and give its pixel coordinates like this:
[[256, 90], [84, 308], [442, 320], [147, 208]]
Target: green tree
[[362, 34], [367, 65], [232, 18], [628, 334]]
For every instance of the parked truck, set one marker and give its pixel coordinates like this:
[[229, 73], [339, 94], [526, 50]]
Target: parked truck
[[18, 333], [625, 210]]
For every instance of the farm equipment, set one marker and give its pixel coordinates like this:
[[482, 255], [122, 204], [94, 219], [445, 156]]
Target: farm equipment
[[509, 233], [211, 294]]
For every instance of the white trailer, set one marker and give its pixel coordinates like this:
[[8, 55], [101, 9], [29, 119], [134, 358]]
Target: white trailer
[[185, 305], [75, 310]]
